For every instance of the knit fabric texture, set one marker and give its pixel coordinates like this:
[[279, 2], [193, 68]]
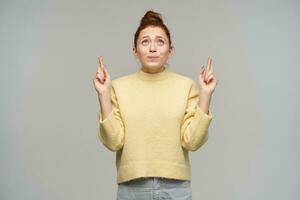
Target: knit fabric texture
[[155, 121]]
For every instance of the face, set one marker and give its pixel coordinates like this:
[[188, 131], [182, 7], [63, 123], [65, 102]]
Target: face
[[153, 48]]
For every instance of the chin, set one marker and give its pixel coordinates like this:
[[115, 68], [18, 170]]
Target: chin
[[153, 65]]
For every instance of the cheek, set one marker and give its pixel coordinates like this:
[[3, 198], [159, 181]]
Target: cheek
[[140, 54], [165, 52], [142, 51]]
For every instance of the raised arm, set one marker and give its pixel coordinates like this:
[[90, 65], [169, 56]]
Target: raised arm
[[197, 117], [111, 127], [195, 123]]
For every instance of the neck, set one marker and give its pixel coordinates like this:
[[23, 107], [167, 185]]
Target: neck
[[153, 76], [152, 71]]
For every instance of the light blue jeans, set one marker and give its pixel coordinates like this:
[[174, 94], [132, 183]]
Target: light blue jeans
[[155, 188]]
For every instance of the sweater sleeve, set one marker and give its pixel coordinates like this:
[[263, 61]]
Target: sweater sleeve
[[111, 129], [195, 124]]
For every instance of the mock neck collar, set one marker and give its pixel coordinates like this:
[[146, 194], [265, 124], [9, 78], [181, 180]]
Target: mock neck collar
[[153, 76]]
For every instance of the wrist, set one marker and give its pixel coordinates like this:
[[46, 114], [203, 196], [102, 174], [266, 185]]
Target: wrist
[[104, 96], [205, 95]]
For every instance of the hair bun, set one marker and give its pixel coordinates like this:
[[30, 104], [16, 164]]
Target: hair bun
[[152, 17]]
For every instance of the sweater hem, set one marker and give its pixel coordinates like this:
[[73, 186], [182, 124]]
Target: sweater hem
[[138, 169]]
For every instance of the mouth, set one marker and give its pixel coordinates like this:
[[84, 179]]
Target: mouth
[[152, 57]]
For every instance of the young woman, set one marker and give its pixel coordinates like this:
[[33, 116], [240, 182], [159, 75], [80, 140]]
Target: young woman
[[152, 118]]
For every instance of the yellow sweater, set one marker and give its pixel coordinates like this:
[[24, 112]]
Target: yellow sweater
[[155, 121]]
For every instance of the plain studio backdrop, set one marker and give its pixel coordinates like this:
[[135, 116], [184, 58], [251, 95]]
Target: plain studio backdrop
[[49, 108]]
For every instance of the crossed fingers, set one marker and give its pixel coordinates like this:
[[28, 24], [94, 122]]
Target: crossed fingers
[[101, 71], [207, 72]]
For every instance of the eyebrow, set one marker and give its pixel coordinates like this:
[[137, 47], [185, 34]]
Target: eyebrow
[[156, 36]]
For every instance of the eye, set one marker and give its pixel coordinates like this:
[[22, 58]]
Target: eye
[[144, 41], [161, 42]]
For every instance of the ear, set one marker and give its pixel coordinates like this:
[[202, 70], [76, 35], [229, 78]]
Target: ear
[[170, 52], [134, 51]]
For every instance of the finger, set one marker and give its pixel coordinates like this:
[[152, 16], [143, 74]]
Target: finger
[[207, 65], [201, 78], [210, 78], [100, 78], [210, 65], [100, 75], [205, 71], [101, 72], [202, 69], [96, 79], [105, 72], [99, 65], [102, 62], [209, 62], [208, 74]]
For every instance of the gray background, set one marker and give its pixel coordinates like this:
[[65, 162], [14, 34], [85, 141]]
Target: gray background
[[49, 109]]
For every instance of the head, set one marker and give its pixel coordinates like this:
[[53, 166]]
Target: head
[[152, 42]]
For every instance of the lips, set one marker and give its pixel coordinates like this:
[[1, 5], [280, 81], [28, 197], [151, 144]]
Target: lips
[[152, 57]]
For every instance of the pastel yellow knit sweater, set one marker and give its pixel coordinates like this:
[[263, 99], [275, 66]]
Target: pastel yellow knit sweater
[[155, 122]]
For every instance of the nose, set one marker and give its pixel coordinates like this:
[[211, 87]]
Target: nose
[[152, 47]]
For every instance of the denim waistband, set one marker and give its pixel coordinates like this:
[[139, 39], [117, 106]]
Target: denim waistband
[[155, 183]]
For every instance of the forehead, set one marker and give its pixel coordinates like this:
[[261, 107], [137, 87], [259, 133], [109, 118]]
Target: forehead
[[152, 32]]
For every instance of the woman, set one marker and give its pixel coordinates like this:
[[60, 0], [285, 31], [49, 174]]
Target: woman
[[154, 117]]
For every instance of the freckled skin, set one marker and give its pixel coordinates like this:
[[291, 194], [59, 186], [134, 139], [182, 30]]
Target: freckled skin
[[152, 41]]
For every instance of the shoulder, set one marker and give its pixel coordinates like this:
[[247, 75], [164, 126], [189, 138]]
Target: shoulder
[[183, 79], [187, 84], [122, 80]]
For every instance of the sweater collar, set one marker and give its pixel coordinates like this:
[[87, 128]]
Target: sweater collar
[[153, 76]]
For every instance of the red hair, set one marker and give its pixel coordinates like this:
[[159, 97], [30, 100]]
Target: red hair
[[152, 18]]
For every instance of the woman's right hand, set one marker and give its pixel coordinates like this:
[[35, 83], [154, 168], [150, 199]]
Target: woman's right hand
[[102, 81]]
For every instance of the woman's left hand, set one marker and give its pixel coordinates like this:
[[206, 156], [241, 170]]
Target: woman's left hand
[[207, 80]]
